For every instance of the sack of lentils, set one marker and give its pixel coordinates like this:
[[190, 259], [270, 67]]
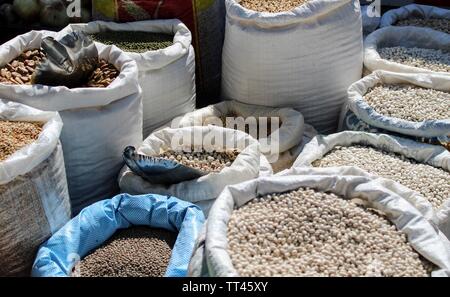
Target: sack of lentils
[[100, 118], [283, 132], [126, 236], [320, 225], [418, 15], [408, 50], [226, 157], [165, 57], [290, 54], [414, 105], [424, 168], [33, 187]]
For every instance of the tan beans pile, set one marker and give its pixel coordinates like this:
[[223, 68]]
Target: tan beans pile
[[205, 161], [20, 70], [310, 233], [132, 252], [272, 5], [409, 102], [431, 59], [16, 135], [433, 183], [103, 75], [436, 24]]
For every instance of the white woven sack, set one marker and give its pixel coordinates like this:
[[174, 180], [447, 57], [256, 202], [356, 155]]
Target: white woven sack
[[166, 76], [406, 37], [98, 122], [33, 190], [294, 59], [434, 155], [286, 137], [391, 17], [206, 188], [423, 237], [357, 104]]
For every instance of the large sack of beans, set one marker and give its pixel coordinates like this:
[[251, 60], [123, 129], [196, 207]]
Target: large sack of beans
[[418, 15], [244, 161], [320, 225], [33, 187], [98, 122], [423, 168], [97, 223], [204, 18], [166, 75], [416, 105], [293, 58], [284, 130], [408, 50]]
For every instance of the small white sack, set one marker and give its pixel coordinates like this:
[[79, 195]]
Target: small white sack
[[424, 238], [406, 37], [166, 76], [98, 122], [433, 155], [206, 188], [427, 129], [391, 17], [288, 136], [305, 58], [33, 191]]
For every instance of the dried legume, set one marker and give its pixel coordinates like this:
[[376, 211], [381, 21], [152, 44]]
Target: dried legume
[[205, 161], [16, 135], [433, 23], [310, 233], [132, 252], [272, 5], [432, 183], [138, 42], [431, 59], [409, 102]]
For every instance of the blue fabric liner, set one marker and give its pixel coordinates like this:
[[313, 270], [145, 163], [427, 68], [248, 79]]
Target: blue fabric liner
[[99, 221]]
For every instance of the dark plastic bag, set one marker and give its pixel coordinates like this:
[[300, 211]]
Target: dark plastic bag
[[70, 61]]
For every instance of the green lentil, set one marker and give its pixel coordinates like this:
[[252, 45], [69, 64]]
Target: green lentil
[[138, 42]]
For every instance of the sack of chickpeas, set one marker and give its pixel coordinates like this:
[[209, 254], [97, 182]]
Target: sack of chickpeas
[[125, 236], [33, 187], [165, 57], [320, 225], [223, 156], [424, 168], [279, 130], [414, 105], [418, 15], [408, 50], [291, 54], [100, 116]]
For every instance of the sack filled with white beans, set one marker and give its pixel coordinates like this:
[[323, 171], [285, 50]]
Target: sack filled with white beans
[[410, 104], [423, 168], [345, 225], [408, 50], [183, 144], [418, 15]]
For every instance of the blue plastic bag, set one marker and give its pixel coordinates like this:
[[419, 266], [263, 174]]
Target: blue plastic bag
[[98, 222]]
